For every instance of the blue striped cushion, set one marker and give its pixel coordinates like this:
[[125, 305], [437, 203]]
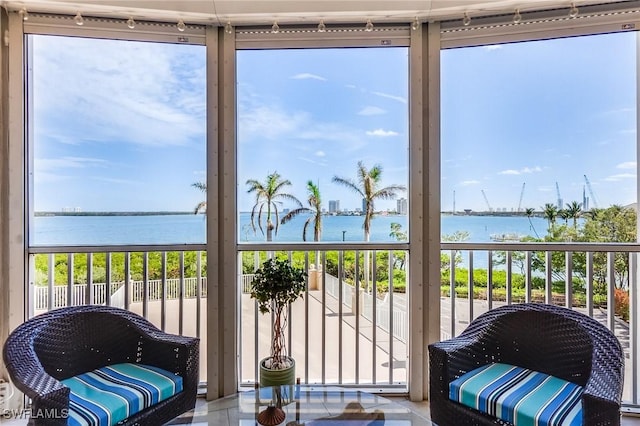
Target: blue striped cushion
[[519, 396], [105, 396]]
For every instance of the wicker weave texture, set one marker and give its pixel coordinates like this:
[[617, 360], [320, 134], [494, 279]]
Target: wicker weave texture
[[65, 342], [546, 338]]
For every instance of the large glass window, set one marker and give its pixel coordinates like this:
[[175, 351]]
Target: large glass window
[[313, 121], [118, 137], [323, 146]]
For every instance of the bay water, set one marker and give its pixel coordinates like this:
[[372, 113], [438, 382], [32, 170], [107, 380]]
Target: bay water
[[190, 229]]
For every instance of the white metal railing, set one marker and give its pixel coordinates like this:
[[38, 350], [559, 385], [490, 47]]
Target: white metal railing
[[245, 282], [334, 336], [78, 292], [383, 309], [338, 338]]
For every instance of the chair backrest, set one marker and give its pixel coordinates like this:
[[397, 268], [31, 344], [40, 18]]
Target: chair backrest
[[551, 339], [74, 340], [543, 341]]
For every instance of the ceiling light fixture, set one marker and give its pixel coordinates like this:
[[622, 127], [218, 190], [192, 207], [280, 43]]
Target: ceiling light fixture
[[369, 26], [415, 25], [322, 27], [228, 28], [79, 19], [275, 28], [573, 12], [466, 20], [131, 23], [517, 18], [181, 25], [24, 14]]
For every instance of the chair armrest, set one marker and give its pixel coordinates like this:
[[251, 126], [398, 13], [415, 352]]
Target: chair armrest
[[450, 359], [603, 391], [177, 354], [49, 397]]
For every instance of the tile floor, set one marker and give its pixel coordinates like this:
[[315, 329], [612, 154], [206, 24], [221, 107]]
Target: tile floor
[[421, 408]]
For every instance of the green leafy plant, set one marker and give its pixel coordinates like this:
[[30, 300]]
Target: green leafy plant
[[275, 285]]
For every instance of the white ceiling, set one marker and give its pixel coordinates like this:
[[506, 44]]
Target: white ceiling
[[261, 12]]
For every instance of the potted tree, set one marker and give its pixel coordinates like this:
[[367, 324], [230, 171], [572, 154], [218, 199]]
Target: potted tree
[[275, 285]]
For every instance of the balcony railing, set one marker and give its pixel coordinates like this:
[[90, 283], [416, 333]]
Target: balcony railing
[[346, 330]]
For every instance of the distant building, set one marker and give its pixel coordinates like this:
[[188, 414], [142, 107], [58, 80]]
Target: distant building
[[71, 210], [334, 206], [364, 205], [401, 206]]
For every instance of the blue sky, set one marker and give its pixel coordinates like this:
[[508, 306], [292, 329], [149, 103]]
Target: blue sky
[[120, 126], [539, 113]]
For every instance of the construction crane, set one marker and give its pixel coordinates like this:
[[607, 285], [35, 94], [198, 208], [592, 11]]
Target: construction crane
[[521, 196], [560, 205], [593, 196], [486, 200]]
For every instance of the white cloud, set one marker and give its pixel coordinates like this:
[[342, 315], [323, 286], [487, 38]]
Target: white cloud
[[371, 110], [312, 161], [627, 165], [130, 92], [381, 133], [524, 170], [320, 154], [58, 169], [388, 96], [308, 76], [117, 180], [493, 47], [619, 177], [259, 122], [63, 163], [469, 182]]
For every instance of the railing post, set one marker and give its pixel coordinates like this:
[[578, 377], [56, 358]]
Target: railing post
[[589, 284], [568, 290], [634, 334]]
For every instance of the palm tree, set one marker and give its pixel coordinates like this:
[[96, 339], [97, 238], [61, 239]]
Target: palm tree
[[268, 195], [202, 205], [550, 212], [574, 210], [367, 188], [397, 232], [529, 212], [315, 207], [564, 214]]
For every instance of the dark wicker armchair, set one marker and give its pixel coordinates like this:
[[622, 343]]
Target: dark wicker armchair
[[66, 342], [545, 338]]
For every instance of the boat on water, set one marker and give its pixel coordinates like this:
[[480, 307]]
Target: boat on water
[[507, 237]]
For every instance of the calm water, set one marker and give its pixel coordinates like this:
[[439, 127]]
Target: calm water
[[190, 229]]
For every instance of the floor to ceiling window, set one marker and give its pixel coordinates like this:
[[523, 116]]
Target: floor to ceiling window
[[539, 145], [323, 157], [117, 160]]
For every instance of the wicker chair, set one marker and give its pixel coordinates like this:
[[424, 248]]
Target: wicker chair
[[69, 341], [545, 338]]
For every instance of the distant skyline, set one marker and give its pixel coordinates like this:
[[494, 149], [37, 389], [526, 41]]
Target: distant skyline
[[121, 126]]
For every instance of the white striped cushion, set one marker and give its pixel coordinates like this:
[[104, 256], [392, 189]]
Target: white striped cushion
[[105, 396], [519, 396]]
